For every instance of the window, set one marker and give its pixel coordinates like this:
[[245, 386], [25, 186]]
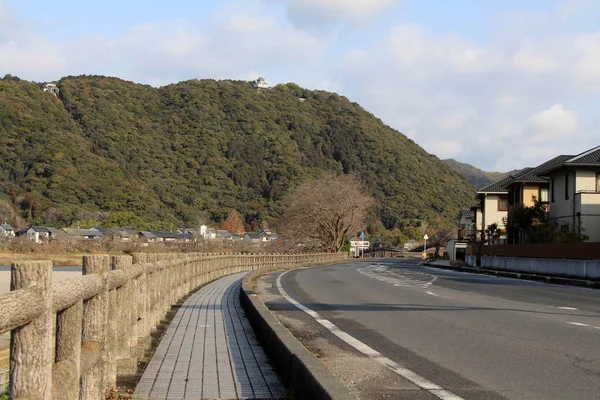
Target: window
[[552, 189], [597, 182], [566, 186], [503, 203], [544, 195]]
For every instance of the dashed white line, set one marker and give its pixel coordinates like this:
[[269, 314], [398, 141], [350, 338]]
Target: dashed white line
[[567, 308], [577, 324], [413, 377], [433, 294]]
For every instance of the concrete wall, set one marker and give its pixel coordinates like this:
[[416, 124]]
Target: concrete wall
[[588, 205], [530, 191], [492, 214], [586, 180], [471, 261], [561, 210], [543, 266]]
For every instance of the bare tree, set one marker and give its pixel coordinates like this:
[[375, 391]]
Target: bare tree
[[439, 237], [320, 213]]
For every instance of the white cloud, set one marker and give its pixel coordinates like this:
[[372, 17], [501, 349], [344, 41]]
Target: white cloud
[[328, 13], [551, 124], [528, 59], [588, 64], [444, 148]]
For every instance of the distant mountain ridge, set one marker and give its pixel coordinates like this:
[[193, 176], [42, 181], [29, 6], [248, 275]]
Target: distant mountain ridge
[[476, 176]]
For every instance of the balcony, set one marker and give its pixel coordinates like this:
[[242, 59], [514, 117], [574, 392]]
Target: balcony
[[466, 234]]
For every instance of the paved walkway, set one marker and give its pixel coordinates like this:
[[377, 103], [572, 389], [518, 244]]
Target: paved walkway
[[210, 351]]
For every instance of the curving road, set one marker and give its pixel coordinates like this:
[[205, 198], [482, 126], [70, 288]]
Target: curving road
[[391, 328]]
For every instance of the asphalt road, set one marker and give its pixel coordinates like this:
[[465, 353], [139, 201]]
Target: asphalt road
[[474, 336]]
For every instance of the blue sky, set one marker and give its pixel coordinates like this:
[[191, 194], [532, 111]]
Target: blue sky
[[500, 84]]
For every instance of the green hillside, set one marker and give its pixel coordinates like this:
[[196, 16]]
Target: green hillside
[[476, 176], [197, 149]]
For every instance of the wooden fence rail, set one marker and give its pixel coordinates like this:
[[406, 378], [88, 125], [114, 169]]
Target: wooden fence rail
[[71, 340]]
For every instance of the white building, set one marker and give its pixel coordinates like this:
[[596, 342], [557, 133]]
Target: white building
[[51, 87], [358, 246], [575, 193], [260, 83]]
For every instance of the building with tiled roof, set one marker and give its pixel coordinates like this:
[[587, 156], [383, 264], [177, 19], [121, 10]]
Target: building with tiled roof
[[574, 193]]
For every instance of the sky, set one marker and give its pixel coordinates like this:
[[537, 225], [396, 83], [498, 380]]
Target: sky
[[500, 84]]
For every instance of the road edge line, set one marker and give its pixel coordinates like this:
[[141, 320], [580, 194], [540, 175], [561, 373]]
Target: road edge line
[[365, 349], [298, 368]]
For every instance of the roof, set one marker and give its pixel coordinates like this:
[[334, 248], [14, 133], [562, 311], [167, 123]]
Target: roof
[[7, 227], [495, 187], [252, 235], [53, 231], [589, 158], [147, 235], [465, 212], [38, 229], [225, 234], [83, 232], [171, 235]]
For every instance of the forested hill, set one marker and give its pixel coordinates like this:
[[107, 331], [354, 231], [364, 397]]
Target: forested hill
[[476, 176], [196, 149]]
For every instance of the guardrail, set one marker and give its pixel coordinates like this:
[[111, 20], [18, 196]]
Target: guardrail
[[105, 317]]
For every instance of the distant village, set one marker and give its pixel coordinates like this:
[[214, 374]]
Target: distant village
[[200, 235]]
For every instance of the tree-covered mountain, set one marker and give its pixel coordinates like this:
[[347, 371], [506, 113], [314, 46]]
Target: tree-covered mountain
[[476, 176], [108, 148]]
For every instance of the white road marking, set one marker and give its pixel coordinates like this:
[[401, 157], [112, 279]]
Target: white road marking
[[433, 294], [567, 308], [413, 377], [577, 324]]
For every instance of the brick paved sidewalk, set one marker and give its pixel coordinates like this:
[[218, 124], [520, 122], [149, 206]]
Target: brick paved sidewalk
[[210, 351]]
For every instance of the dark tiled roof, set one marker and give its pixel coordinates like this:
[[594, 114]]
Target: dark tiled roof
[[7, 227], [496, 187], [171, 235], [465, 212], [587, 158], [253, 235], [590, 157]]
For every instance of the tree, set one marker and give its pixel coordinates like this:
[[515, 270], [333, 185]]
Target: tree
[[439, 237], [319, 214], [492, 233], [233, 223]]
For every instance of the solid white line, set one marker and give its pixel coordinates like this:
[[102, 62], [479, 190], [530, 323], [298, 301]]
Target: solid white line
[[567, 308], [415, 378]]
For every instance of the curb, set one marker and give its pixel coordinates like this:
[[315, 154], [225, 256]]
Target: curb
[[522, 275], [300, 370]]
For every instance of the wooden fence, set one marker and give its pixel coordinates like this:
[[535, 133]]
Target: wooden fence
[[72, 339], [573, 251]]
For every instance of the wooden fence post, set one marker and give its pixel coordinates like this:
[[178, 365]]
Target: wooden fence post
[[31, 345], [68, 352], [95, 324]]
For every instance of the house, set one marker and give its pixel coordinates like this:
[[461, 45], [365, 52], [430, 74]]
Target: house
[[148, 237], [358, 245], [267, 236], [574, 193], [51, 87], [124, 234], [466, 224], [260, 83], [83, 234], [492, 208], [224, 235], [171, 237], [6, 230], [36, 234], [252, 238]]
